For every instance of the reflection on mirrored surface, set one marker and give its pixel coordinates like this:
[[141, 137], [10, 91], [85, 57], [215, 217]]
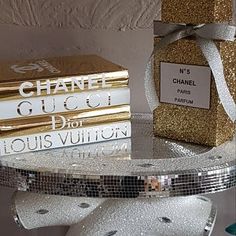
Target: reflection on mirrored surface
[[192, 216], [146, 146]]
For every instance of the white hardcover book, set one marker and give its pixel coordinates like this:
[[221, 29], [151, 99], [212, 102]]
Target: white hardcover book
[[46, 105], [109, 150], [114, 149], [65, 138]]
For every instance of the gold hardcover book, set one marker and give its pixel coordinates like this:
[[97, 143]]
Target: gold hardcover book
[[59, 75], [63, 121]]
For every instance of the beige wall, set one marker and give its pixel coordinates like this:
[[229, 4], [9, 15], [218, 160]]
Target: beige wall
[[118, 30], [89, 14]]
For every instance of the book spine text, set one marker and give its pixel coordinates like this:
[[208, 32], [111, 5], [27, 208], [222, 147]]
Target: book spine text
[[65, 138], [46, 105]]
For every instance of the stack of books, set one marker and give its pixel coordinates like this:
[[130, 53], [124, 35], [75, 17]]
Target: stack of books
[[59, 102]]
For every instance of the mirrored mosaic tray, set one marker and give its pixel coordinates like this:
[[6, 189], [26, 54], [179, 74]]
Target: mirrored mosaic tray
[[143, 166], [97, 216]]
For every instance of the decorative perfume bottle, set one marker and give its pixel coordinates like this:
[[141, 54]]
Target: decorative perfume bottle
[[194, 71]]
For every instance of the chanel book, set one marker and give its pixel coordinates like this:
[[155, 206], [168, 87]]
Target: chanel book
[[65, 138], [61, 75]]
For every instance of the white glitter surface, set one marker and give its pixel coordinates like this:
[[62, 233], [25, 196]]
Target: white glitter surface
[[188, 216], [163, 155], [55, 210]]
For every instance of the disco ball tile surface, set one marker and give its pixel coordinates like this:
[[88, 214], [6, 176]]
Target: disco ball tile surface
[[143, 166]]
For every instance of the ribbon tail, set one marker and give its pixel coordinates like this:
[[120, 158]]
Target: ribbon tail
[[149, 85], [214, 60]]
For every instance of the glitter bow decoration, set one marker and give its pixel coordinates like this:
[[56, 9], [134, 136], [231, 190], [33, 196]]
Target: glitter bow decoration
[[205, 35]]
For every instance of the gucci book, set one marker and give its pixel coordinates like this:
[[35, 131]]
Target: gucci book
[[46, 105]]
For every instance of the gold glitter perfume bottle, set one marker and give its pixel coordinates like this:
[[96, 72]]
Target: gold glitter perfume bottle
[[190, 108], [197, 12]]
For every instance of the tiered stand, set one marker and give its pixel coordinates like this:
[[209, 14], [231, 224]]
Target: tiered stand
[[152, 190]]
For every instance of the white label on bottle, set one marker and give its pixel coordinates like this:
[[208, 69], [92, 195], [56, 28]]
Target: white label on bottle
[[185, 85]]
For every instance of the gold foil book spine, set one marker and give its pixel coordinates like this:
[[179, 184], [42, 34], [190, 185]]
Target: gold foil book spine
[[63, 121], [51, 76], [37, 69], [53, 86]]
